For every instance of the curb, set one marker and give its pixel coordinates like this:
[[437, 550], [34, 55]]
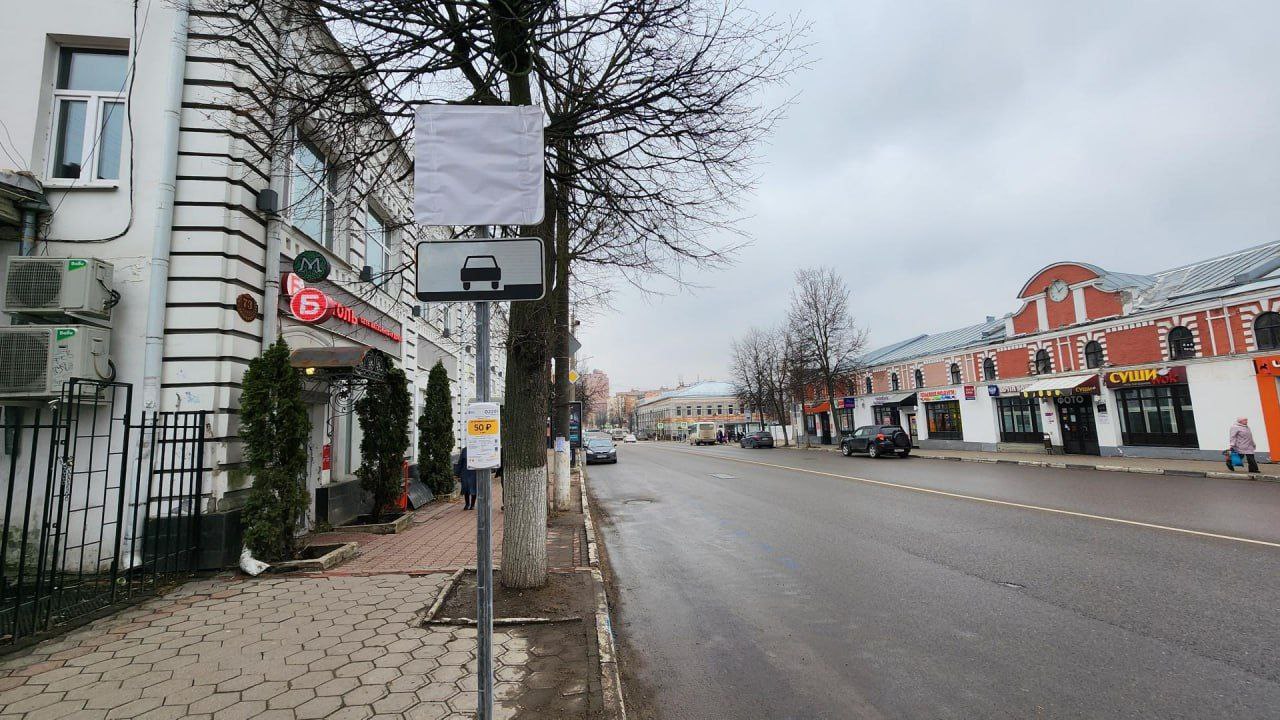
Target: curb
[[440, 596], [1106, 468], [610, 679]]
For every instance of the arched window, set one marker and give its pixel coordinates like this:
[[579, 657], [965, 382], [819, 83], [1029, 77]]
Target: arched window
[[893, 381], [868, 384], [1266, 330], [1044, 363], [989, 369], [1182, 344], [955, 374], [1093, 354], [919, 378]]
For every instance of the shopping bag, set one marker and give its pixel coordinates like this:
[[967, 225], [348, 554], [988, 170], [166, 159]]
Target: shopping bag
[[1237, 460]]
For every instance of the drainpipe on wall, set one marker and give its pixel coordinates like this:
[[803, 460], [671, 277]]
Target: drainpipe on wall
[[279, 176], [28, 242], [162, 239]]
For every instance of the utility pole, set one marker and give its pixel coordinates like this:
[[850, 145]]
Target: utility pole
[[484, 523]]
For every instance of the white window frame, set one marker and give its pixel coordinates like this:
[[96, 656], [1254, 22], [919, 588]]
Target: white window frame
[[94, 101], [326, 186], [380, 279]]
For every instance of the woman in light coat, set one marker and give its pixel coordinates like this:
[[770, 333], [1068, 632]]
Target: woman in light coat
[[1240, 440]]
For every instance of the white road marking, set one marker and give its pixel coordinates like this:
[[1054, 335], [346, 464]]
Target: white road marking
[[990, 501]]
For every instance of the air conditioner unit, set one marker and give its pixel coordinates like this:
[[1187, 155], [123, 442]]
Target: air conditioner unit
[[35, 360], [53, 288]]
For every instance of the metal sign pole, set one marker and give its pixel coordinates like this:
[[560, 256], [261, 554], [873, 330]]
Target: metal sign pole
[[484, 522]]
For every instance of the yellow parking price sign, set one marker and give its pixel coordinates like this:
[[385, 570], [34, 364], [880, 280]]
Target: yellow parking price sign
[[484, 436], [482, 427]]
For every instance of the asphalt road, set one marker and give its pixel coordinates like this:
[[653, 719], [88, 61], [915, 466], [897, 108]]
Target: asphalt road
[[792, 585]]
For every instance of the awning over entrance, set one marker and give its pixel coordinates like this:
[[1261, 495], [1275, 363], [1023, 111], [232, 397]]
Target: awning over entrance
[[901, 398], [1064, 385], [817, 408], [341, 361]]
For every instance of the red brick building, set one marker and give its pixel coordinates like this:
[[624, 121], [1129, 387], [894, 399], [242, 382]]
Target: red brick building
[[1101, 362]]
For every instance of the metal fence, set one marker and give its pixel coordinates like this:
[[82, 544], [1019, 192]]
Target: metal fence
[[99, 504]]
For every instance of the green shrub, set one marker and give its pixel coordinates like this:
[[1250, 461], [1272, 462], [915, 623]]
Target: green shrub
[[435, 434], [384, 414], [275, 429]]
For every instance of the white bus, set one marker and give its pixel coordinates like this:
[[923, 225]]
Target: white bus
[[703, 433]]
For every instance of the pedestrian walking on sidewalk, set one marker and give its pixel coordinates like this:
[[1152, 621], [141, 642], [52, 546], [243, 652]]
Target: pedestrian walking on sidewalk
[[1240, 440], [468, 480]]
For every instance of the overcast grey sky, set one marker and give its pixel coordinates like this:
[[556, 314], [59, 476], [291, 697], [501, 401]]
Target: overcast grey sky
[[941, 152]]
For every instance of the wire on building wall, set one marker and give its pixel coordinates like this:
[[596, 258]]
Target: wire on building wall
[[139, 30]]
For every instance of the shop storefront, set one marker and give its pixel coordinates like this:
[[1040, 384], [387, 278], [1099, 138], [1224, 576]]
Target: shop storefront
[[326, 318], [817, 422], [942, 414], [1073, 397], [1154, 405], [844, 415], [887, 409], [1019, 420]]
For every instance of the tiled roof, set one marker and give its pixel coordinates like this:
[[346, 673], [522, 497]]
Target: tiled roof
[[1149, 292]]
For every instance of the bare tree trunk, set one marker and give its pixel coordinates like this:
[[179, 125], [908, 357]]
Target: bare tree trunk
[[524, 530], [562, 500]]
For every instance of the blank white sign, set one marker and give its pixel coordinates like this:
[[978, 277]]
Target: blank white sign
[[478, 165]]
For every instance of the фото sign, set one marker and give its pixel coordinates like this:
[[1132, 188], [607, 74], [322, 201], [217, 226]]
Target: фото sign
[[489, 269], [1146, 376]]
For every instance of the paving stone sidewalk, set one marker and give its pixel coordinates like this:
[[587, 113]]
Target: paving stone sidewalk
[[288, 648], [346, 645], [443, 538]]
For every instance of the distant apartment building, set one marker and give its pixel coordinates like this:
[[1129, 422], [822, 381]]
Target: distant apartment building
[[668, 415]]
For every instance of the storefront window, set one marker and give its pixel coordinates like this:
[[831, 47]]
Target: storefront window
[[885, 414], [944, 420], [1158, 415], [844, 419], [1019, 420], [810, 424]]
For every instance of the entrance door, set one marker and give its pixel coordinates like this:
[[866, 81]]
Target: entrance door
[[825, 420], [1079, 429], [912, 431]]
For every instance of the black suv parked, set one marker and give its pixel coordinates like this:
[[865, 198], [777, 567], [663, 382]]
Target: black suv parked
[[757, 439], [877, 440]]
